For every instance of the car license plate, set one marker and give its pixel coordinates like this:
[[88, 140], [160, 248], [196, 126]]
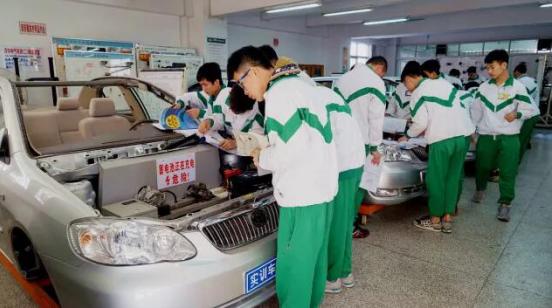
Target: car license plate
[[260, 276]]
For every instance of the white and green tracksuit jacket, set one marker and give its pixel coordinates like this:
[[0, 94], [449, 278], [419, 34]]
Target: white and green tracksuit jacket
[[466, 101], [346, 134], [436, 109], [532, 89], [364, 92], [493, 102], [456, 82], [225, 119], [399, 104], [301, 153]]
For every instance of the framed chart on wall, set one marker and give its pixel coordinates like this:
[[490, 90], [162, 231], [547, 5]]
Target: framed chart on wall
[[77, 48]]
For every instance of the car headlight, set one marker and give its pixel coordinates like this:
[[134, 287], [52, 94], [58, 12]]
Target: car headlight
[[127, 242], [395, 153]]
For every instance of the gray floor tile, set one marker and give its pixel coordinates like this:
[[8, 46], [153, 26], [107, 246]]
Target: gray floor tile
[[498, 295], [527, 261], [388, 279], [11, 295]]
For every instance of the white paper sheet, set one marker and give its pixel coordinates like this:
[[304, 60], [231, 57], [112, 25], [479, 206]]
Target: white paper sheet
[[371, 175], [394, 125], [247, 142]]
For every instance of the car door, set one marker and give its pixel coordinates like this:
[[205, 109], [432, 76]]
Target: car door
[[4, 162]]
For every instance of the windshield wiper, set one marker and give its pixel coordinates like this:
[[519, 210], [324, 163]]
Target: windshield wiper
[[182, 142]]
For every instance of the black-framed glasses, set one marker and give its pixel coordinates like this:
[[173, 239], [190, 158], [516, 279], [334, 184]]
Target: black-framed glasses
[[239, 82]]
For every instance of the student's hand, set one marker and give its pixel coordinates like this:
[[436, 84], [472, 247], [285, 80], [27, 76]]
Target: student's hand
[[193, 113], [403, 139], [204, 126], [177, 105], [255, 154], [510, 117], [376, 158], [228, 144]]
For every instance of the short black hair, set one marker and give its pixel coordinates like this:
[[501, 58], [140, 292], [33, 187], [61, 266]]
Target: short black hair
[[239, 102], [269, 52], [432, 66], [472, 70], [246, 55], [412, 69], [498, 55], [521, 68], [209, 71], [454, 73], [377, 60]]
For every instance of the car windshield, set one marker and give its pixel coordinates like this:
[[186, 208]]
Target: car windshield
[[87, 116]]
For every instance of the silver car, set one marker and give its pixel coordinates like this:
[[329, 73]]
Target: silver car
[[96, 199], [403, 170]]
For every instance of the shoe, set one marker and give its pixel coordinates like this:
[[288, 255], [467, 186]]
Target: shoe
[[478, 196], [447, 227], [504, 212], [333, 287], [349, 281], [426, 224], [360, 233], [495, 176]]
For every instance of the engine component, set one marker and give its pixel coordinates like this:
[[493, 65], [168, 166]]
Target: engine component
[[151, 196], [84, 191], [130, 208], [199, 192]]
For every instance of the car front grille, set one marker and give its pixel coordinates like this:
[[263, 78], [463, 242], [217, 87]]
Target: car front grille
[[243, 228]]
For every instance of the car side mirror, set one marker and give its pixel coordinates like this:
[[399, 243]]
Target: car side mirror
[[4, 146]]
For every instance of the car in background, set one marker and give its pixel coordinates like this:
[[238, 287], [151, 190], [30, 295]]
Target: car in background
[[403, 170]]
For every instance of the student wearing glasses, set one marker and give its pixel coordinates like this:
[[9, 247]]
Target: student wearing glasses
[[303, 160]]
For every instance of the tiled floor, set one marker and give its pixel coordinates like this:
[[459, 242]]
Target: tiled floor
[[483, 263]]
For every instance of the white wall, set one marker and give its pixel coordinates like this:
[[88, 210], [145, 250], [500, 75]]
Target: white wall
[[81, 20], [303, 48]]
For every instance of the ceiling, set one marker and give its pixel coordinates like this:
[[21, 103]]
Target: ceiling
[[427, 16]]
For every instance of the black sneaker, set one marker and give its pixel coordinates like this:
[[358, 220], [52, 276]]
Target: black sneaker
[[360, 233]]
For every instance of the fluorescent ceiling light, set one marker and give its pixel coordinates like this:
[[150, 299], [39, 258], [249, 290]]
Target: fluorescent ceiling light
[[546, 5], [347, 12], [387, 21], [294, 8]]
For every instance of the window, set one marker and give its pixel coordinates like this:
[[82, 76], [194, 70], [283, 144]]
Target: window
[[490, 46], [453, 50], [115, 93], [524, 46], [360, 53], [407, 51], [471, 49], [153, 104], [426, 51]]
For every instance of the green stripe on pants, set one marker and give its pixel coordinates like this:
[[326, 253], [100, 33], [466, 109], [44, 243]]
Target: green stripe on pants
[[525, 135], [341, 230], [463, 173], [500, 151], [302, 255], [446, 158]]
